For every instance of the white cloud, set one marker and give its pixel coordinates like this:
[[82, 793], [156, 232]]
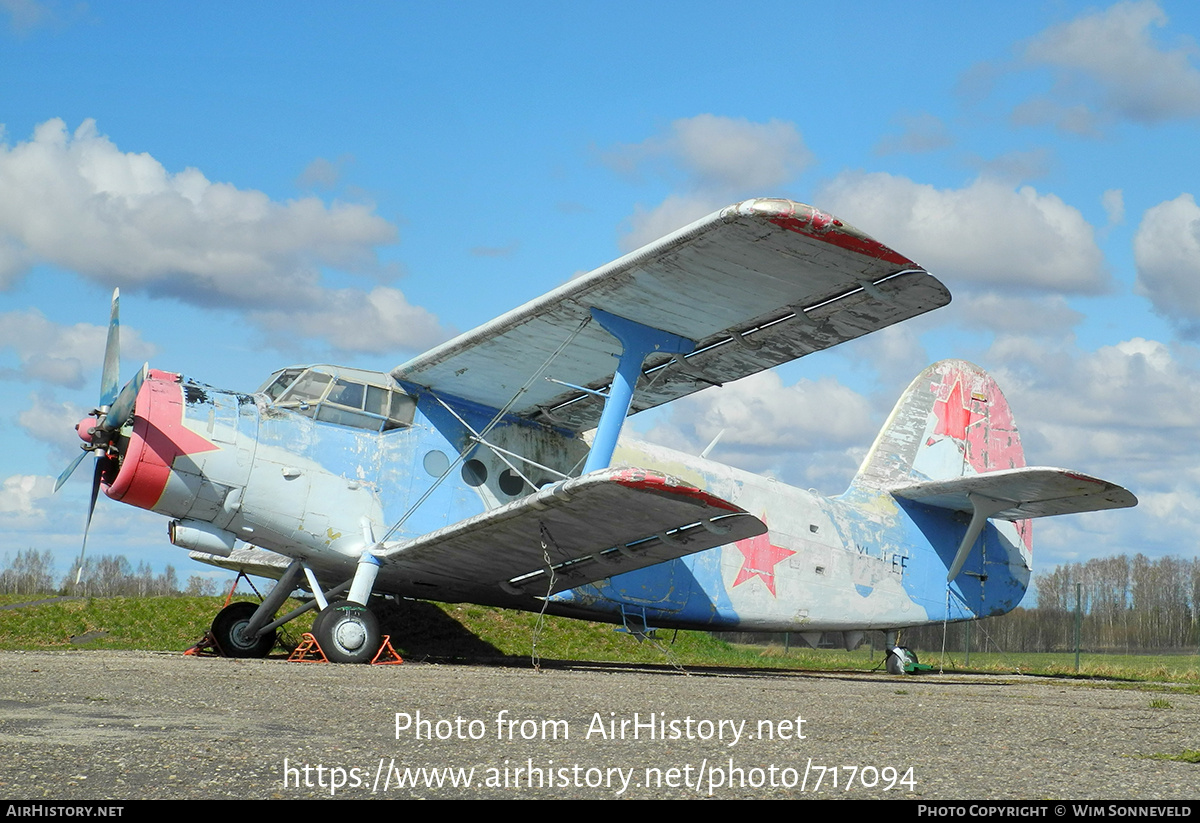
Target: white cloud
[[720, 152], [735, 153], [77, 201], [1167, 252], [920, 133], [1113, 201], [1015, 166], [21, 496], [1127, 407], [985, 234], [1045, 315], [1075, 119], [62, 355], [1110, 59], [53, 422], [713, 161], [648, 225], [801, 433], [380, 321], [26, 14], [322, 173]]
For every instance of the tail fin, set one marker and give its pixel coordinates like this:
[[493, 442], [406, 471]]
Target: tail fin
[[952, 421], [951, 443]]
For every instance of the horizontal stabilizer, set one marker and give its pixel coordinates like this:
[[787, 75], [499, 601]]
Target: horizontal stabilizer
[[1033, 491], [602, 524]]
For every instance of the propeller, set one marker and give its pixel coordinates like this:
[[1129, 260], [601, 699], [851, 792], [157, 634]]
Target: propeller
[[100, 430]]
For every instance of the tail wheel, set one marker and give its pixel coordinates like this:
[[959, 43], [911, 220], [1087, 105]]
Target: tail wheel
[[229, 626], [347, 632], [899, 658]]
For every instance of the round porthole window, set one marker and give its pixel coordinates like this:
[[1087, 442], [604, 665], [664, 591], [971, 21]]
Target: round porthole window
[[436, 463], [474, 473], [511, 483]]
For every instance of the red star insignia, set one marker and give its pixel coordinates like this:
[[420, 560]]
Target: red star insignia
[[759, 558], [954, 416]]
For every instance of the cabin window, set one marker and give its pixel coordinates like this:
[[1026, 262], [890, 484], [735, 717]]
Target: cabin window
[[345, 393], [344, 417], [340, 400]]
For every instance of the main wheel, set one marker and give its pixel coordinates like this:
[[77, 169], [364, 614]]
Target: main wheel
[[348, 632], [228, 628]]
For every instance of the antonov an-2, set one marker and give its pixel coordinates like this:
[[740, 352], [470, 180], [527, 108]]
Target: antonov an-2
[[490, 469]]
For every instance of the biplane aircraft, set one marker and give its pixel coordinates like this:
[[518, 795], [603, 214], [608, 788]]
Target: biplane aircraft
[[490, 469]]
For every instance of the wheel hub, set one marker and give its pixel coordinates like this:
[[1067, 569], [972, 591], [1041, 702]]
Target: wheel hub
[[350, 634], [238, 635]]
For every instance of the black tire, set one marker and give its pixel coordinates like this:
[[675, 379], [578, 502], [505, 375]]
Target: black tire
[[228, 627], [347, 632]]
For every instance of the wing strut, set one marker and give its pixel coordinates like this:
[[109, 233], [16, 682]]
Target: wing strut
[[637, 341]]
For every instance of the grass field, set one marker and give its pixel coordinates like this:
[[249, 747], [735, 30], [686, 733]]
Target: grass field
[[459, 631]]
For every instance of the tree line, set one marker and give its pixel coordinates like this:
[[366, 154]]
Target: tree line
[[32, 572], [1128, 605]]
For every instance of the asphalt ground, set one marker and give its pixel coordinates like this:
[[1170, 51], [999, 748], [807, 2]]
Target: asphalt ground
[[129, 725]]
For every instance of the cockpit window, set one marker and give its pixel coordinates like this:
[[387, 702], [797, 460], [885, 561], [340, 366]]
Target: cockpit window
[[307, 390], [280, 382], [341, 400]]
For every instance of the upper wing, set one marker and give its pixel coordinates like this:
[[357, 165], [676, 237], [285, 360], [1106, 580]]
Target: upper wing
[[754, 285], [1032, 491], [585, 528]]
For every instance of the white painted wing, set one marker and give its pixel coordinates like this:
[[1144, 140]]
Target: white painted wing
[[595, 526], [754, 285], [1034, 491], [248, 559]]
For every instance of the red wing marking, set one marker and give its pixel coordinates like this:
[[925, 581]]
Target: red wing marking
[[820, 228], [661, 484]]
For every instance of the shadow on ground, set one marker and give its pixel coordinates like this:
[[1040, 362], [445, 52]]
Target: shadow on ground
[[422, 630]]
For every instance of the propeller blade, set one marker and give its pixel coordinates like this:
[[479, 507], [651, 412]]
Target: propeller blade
[[96, 476], [112, 354], [122, 406], [62, 478]]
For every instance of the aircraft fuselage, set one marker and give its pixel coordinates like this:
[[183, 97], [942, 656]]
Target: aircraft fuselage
[[311, 481]]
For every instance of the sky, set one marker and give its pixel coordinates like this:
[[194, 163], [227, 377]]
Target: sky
[[280, 183]]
